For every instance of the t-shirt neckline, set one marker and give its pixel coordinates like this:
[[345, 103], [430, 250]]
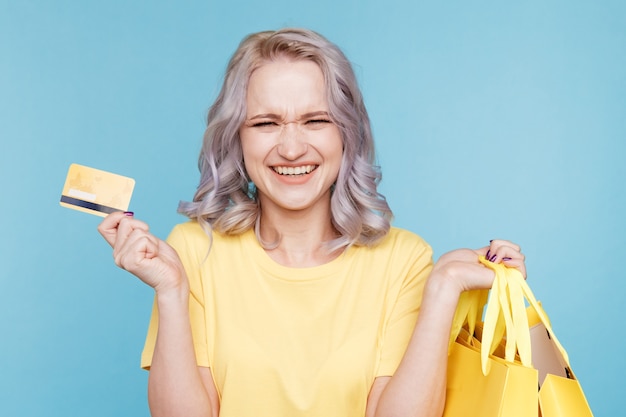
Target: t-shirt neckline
[[288, 273]]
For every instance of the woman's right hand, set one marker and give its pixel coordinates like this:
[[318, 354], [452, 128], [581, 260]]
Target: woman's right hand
[[139, 252]]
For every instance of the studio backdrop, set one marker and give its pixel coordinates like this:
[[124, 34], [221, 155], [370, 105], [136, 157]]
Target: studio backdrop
[[492, 120]]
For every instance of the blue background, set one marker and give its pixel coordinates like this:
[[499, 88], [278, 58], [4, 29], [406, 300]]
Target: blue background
[[492, 120]]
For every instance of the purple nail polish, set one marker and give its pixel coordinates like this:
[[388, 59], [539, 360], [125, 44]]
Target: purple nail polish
[[129, 213], [493, 258], [506, 259], [487, 255]]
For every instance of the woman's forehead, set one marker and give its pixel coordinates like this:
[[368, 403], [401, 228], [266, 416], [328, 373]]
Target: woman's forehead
[[287, 85]]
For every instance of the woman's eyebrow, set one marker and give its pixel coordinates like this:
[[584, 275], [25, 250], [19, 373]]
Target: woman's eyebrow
[[273, 116], [314, 114]]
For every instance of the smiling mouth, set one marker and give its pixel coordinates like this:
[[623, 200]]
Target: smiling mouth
[[295, 171]]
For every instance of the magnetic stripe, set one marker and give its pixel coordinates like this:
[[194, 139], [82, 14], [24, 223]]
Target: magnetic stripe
[[88, 205]]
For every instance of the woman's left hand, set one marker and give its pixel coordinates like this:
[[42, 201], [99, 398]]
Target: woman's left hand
[[462, 267], [508, 253]]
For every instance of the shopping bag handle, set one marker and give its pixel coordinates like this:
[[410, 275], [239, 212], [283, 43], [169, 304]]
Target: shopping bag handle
[[506, 300], [505, 314]]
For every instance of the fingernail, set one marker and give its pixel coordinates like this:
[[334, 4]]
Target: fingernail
[[493, 258], [491, 241], [129, 213], [506, 259], [487, 255]]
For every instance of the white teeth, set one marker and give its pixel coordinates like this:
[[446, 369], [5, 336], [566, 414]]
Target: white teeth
[[294, 170]]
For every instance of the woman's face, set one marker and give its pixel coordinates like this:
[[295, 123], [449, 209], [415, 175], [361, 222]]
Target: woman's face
[[292, 150]]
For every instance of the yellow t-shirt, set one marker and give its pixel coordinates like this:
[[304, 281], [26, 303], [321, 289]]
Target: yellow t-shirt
[[297, 342]]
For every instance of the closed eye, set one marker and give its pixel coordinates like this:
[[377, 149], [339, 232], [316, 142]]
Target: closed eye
[[264, 124], [317, 124]]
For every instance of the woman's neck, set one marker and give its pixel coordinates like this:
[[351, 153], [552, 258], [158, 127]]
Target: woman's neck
[[300, 236]]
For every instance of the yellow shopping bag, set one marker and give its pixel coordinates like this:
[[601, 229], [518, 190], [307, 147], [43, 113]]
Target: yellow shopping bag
[[508, 390], [560, 393], [509, 364], [562, 397]]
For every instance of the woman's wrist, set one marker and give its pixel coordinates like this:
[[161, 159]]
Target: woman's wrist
[[173, 293], [442, 287]]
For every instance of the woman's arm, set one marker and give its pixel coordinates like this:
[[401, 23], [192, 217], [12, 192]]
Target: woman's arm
[[177, 386], [417, 389]]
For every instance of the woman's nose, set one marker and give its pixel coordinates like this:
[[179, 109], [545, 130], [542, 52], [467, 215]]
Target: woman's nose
[[292, 143]]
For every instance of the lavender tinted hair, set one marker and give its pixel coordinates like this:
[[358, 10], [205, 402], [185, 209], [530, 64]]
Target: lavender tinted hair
[[226, 201]]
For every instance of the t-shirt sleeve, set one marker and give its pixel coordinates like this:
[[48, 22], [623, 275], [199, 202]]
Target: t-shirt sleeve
[[192, 246], [405, 304]]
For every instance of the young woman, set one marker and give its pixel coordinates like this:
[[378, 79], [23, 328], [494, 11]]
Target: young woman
[[288, 293]]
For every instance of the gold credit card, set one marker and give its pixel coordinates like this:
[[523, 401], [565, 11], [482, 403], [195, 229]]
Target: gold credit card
[[96, 192]]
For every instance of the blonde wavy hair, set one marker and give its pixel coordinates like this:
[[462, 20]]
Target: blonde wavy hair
[[226, 200]]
